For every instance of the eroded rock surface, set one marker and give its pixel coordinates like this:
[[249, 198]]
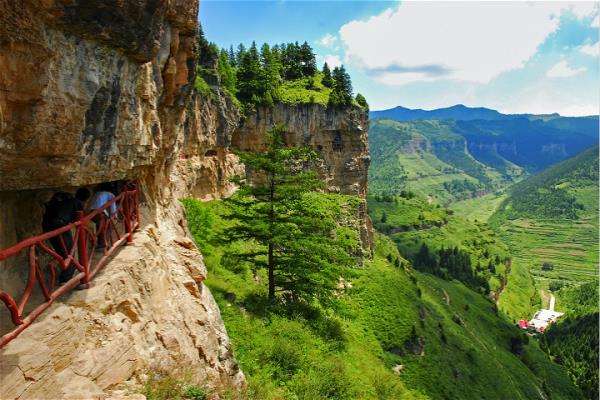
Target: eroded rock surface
[[338, 134], [95, 91]]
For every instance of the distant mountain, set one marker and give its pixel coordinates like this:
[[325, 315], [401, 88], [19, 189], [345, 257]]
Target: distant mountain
[[457, 112], [431, 159], [460, 112], [553, 192]]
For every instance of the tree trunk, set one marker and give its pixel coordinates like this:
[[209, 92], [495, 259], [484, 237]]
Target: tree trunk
[[271, 261], [271, 269]]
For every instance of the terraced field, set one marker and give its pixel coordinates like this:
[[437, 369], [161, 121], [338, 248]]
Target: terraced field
[[567, 246], [425, 176], [479, 208]]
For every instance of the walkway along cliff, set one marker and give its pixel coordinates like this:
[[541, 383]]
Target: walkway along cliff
[[98, 91]]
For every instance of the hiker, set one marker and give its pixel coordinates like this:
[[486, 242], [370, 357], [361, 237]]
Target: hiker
[[62, 210], [102, 196]]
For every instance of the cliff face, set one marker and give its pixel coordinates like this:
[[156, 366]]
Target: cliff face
[[95, 91], [338, 135]]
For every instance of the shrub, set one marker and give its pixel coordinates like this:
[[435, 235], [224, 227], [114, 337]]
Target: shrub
[[194, 392]]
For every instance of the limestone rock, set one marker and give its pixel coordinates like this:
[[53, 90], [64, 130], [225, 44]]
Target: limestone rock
[[338, 134]]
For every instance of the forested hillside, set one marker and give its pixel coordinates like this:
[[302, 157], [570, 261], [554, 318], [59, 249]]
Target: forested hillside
[[429, 159], [550, 223], [390, 332], [457, 153], [285, 72], [573, 341]]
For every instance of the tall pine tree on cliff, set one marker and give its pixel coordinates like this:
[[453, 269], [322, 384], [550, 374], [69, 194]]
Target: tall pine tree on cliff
[[327, 79], [342, 88], [292, 237]]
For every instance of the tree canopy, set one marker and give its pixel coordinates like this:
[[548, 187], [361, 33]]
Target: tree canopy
[[294, 237]]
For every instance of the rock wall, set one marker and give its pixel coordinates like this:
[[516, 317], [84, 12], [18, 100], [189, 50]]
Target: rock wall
[[94, 91], [338, 134]]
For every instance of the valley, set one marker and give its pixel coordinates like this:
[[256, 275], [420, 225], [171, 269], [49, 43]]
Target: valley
[[541, 221]]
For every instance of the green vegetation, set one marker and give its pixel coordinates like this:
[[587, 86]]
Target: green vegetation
[[573, 341], [166, 386], [439, 242], [538, 230], [427, 158], [287, 228], [549, 194], [447, 339], [550, 223], [479, 208], [280, 73]]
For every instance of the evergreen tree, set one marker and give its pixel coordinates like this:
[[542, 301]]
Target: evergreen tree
[[327, 79], [360, 99], [226, 72], [248, 76], [292, 234], [307, 60], [241, 51], [291, 60], [231, 57], [207, 52], [342, 89], [270, 76]]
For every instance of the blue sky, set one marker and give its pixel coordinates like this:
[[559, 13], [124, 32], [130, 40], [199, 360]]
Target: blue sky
[[516, 57]]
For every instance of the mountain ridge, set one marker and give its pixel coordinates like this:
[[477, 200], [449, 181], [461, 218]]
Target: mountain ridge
[[460, 112]]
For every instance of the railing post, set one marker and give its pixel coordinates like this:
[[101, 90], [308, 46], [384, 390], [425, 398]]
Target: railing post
[[137, 207], [127, 216], [82, 250]]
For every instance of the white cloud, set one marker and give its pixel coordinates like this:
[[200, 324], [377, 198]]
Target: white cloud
[[577, 110], [468, 41], [596, 22], [562, 70], [591, 49], [328, 40], [333, 61]]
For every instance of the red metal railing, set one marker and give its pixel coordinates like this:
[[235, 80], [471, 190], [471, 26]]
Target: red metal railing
[[96, 236]]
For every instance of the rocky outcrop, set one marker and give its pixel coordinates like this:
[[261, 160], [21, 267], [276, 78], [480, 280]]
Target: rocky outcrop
[[94, 91], [148, 312], [205, 163], [338, 134]]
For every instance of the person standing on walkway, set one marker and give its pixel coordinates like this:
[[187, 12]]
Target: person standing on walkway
[[62, 210], [102, 196]]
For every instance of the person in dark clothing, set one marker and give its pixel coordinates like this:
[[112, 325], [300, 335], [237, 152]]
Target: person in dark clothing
[[62, 210]]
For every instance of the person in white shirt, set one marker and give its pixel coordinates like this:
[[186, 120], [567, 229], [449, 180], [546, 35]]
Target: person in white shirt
[[98, 200]]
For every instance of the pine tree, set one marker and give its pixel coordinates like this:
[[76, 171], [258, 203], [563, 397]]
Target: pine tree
[[248, 76], [232, 58], [360, 99], [239, 56], [327, 79], [280, 214], [226, 72], [307, 60], [342, 89], [270, 75]]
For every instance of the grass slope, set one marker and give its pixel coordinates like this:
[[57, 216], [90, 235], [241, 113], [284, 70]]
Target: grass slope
[[479, 208], [411, 222], [550, 218], [573, 341], [428, 158], [385, 317]]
